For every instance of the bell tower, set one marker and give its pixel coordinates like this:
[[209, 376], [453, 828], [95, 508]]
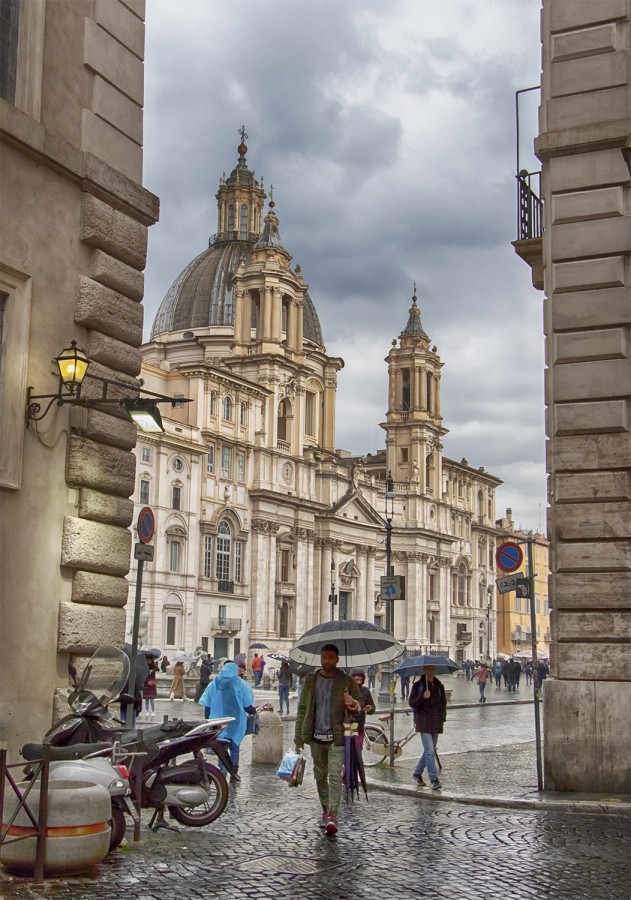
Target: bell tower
[[414, 425]]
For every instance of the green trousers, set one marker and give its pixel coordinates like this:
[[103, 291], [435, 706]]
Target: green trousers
[[328, 761]]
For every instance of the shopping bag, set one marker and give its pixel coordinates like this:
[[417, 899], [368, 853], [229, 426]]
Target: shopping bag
[[287, 764], [253, 725], [297, 773]]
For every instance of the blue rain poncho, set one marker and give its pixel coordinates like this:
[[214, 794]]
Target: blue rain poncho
[[229, 695]]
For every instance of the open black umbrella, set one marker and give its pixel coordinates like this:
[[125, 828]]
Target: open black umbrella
[[415, 665], [359, 643], [298, 669], [258, 645]]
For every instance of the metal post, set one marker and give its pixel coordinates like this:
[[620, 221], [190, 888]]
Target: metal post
[[533, 635], [129, 714], [332, 597], [42, 818]]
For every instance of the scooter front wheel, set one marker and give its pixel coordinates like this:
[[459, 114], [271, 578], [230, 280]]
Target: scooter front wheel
[[119, 827], [205, 813]]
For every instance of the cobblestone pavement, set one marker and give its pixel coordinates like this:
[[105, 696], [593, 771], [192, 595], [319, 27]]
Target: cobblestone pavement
[[267, 845], [396, 845]]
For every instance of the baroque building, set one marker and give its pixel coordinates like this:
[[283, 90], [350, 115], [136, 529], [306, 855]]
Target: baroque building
[[262, 524]]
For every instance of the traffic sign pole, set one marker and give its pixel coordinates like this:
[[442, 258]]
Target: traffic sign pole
[[145, 527], [535, 678]]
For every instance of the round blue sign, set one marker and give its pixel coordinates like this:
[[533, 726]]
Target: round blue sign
[[509, 556], [146, 524]]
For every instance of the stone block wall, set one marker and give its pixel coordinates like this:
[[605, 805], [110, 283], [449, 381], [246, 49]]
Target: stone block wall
[[585, 128]]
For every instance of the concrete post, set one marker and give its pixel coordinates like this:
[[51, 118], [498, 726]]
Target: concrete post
[[267, 745]]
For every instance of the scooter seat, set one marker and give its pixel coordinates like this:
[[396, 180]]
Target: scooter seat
[[32, 752]]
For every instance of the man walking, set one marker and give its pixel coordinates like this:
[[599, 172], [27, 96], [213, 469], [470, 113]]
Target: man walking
[[256, 669], [429, 702], [326, 695], [205, 671]]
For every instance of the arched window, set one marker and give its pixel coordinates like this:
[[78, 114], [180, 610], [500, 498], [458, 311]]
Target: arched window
[[224, 550], [429, 473], [172, 612], [227, 409], [231, 218], [285, 318], [243, 413], [480, 503], [243, 223]]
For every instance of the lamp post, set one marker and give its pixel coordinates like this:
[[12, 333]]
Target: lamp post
[[489, 607], [386, 693], [332, 594]]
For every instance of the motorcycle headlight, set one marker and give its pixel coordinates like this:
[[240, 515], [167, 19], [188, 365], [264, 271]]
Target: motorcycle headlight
[[81, 707], [116, 785]]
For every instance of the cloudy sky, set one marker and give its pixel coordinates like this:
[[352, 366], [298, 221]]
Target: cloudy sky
[[388, 132]]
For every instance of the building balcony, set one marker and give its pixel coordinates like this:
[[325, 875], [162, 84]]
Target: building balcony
[[464, 637], [529, 244], [284, 446], [285, 589], [521, 637], [225, 587], [227, 626]]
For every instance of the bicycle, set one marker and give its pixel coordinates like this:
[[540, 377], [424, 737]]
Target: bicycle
[[376, 747]]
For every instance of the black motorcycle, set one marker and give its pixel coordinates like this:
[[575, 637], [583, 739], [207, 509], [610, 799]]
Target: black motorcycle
[[194, 792]]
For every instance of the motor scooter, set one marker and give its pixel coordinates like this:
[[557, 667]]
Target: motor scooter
[[195, 792]]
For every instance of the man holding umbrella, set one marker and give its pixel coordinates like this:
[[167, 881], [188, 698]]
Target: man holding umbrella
[[326, 695], [429, 702]]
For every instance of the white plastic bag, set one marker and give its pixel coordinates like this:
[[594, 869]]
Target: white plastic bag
[[287, 764]]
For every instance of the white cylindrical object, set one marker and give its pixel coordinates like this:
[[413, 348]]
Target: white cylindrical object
[[78, 831]]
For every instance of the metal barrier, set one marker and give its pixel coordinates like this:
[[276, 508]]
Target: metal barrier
[[529, 206], [40, 824]]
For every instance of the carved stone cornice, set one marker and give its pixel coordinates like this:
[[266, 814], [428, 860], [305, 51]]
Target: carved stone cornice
[[264, 526]]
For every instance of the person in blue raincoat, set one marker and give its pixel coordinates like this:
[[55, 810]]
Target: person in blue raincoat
[[229, 695]]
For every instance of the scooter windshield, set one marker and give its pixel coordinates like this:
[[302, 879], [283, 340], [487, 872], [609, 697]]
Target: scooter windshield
[[105, 675]]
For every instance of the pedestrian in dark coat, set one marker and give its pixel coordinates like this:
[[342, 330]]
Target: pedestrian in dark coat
[[205, 671], [150, 688], [429, 702]]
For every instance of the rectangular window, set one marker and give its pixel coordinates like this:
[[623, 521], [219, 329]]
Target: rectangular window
[[212, 407], [238, 561], [243, 413], [226, 462], [208, 555], [144, 492], [15, 296], [171, 625], [176, 497], [174, 556], [517, 604], [240, 466], [222, 613], [146, 454], [284, 565], [431, 586], [404, 454], [210, 460], [9, 22], [537, 603], [223, 557], [310, 414]]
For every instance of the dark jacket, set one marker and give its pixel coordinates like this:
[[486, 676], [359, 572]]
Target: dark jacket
[[205, 671], [305, 718], [367, 702], [429, 714]]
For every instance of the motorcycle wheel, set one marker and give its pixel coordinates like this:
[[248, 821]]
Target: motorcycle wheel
[[119, 827], [205, 813], [375, 749]]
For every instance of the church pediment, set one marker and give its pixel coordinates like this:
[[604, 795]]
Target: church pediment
[[355, 508]]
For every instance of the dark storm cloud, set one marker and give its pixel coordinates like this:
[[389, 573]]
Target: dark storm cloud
[[388, 133]]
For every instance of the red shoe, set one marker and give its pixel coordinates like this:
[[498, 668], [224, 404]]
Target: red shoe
[[322, 822], [331, 825]]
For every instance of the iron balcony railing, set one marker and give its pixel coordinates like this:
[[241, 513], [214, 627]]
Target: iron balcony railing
[[529, 206], [222, 624]]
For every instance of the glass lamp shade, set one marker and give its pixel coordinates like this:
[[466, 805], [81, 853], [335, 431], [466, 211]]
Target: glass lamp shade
[[146, 415], [73, 364]]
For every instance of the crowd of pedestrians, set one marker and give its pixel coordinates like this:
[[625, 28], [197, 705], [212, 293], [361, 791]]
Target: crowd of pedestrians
[[505, 672]]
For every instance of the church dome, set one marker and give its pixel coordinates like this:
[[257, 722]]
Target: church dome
[[202, 294]]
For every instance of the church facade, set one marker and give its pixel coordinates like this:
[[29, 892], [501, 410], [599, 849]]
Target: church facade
[[263, 527]]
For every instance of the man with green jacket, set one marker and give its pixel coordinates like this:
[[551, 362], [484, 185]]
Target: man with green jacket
[[326, 695]]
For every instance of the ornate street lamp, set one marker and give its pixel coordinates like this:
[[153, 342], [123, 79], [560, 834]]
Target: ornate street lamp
[[386, 692]]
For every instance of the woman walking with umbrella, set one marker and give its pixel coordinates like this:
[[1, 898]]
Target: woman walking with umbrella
[[429, 703]]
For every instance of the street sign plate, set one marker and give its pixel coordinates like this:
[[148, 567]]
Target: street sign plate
[[146, 524], [143, 552], [391, 587], [508, 584], [509, 556]]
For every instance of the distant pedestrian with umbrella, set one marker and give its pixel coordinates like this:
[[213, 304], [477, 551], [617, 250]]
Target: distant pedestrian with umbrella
[[326, 696], [177, 685], [284, 683], [256, 669], [366, 701], [429, 702]]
